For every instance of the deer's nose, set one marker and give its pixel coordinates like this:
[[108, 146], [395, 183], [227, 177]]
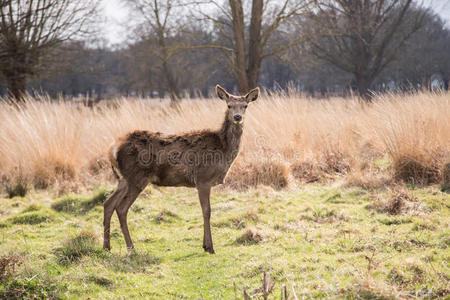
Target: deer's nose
[[237, 118]]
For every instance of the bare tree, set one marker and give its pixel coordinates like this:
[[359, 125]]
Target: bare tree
[[249, 40], [424, 57], [30, 29], [4, 3], [161, 18], [361, 37]]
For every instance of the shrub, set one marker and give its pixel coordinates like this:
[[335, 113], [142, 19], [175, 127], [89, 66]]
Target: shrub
[[97, 199], [68, 204], [8, 265], [399, 202], [270, 173], [305, 171], [416, 172], [50, 170], [80, 205], [31, 218], [32, 207], [446, 178], [28, 288], [75, 248], [16, 187], [335, 162]]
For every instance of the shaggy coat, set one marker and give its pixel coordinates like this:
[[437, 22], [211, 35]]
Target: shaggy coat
[[198, 159]]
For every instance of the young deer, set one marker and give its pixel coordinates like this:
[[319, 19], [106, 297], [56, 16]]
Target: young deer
[[198, 159]]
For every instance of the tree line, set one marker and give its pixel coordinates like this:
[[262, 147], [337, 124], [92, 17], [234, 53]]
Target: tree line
[[183, 48]]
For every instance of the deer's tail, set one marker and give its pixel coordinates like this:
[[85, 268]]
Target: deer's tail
[[113, 160]]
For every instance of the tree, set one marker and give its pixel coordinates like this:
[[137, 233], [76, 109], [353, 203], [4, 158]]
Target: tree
[[249, 41], [160, 16], [361, 37], [4, 3], [30, 29], [424, 57]]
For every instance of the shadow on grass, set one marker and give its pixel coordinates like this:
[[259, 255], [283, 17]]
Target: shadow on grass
[[128, 263], [100, 280], [191, 255], [79, 205], [85, 245]]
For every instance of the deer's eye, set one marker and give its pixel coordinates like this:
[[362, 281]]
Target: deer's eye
[[229, 106], [245, 106]]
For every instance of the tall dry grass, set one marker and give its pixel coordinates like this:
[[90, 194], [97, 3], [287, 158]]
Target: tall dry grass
[[397, 137]]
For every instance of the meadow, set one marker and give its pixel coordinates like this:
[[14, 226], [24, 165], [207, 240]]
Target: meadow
[[330, 198]]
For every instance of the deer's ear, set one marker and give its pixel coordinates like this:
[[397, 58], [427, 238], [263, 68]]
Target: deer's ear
[[252, 95], [222, 93]]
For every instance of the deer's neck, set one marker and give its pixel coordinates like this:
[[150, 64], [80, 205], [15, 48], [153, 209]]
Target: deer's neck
[[231, 134]]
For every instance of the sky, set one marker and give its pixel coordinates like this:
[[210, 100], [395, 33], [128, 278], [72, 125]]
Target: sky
[[117, 14]]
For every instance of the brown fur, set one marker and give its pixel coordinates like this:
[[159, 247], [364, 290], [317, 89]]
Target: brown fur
[[198, 159]]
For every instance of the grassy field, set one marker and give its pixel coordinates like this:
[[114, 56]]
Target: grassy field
[[319, 241], [330, 198]]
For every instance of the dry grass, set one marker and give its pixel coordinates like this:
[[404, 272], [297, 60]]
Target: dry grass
[[400, 202], [252, 236], [8, 264], [286, 136], [446, 177]]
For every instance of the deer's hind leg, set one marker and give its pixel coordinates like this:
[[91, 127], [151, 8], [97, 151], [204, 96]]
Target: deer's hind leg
[[133, 191], [108, 209]]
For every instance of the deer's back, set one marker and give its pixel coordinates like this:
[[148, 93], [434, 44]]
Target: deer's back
[[173, 160]]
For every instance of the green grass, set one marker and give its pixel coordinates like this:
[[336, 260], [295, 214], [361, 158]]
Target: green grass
[[74, 204], [325, 242], [31, 218]]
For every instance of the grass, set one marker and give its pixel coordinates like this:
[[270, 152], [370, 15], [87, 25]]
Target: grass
[[322, 241], [31, 218], [77, 247], [287, 137], [352, 231], [75, 204]]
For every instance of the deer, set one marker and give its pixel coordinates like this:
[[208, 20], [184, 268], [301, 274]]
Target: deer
[[197, 159]]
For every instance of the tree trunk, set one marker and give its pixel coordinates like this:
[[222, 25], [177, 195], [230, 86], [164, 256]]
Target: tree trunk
[[171, 81], [254, 49], [16, 86], [172, 85], [363, 84], [240, 63]]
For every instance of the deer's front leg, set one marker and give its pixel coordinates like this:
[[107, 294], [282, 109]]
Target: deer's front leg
[[203, 193]]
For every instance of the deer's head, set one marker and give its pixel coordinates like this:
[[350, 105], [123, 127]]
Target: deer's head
[[237, 104]]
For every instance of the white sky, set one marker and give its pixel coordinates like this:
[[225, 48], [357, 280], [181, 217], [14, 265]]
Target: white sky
[[116, 14]]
